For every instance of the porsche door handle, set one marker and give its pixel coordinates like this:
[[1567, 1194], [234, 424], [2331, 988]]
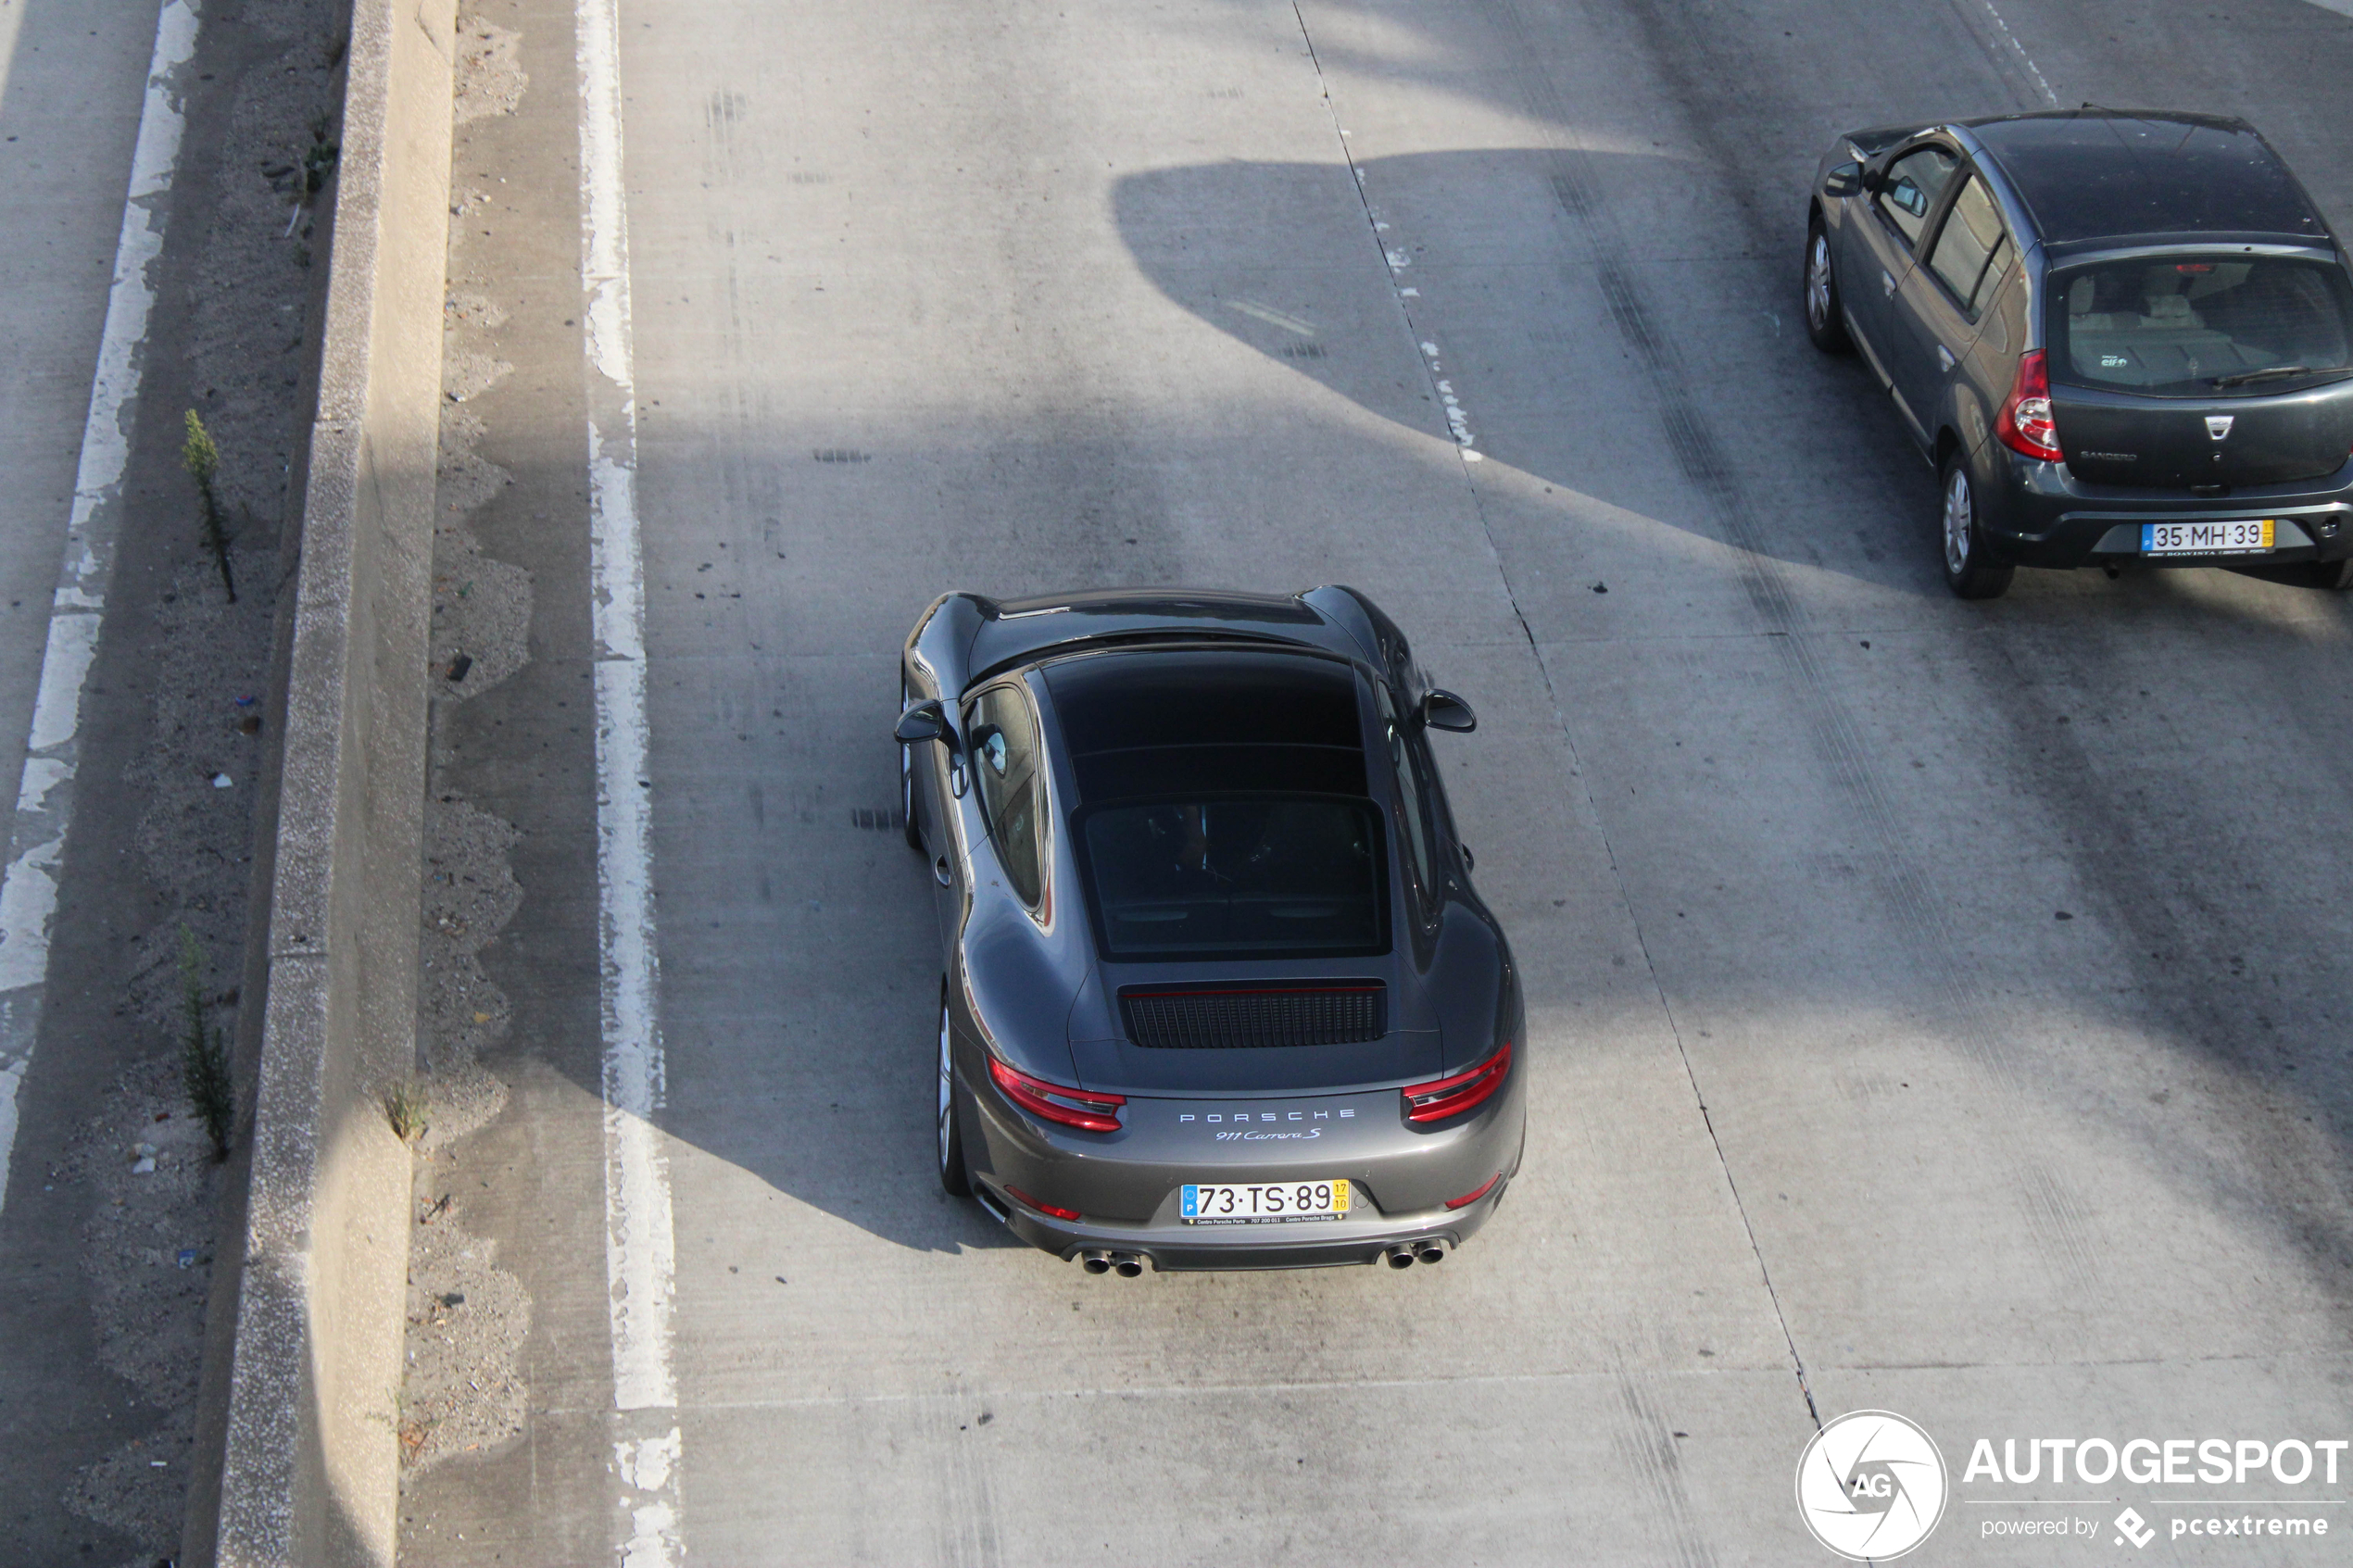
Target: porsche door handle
[[1943, 357], [939, 872], [1887, 283]]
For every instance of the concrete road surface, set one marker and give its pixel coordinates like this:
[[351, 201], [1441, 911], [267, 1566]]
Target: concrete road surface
[[72, 78], [1933, 1007]]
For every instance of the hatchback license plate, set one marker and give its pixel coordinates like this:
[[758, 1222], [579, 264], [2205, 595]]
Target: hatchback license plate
[[1263, 1203], [2250, 537]]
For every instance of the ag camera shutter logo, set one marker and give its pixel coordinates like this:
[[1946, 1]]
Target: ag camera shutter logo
[[1871, 1486]]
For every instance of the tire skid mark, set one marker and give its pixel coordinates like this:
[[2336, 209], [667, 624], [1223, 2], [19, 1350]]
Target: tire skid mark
[[2159, 913], [1699, 455], [1964, 1015], [2061, 1231], [1627, 310], [964, 1521], [1645, 1443]]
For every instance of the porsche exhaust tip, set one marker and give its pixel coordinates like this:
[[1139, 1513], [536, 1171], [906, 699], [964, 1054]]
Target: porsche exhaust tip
[[1095, 1260], [1127, 1263], [1429, 1252], [1400, 1256], [1102, 1260]]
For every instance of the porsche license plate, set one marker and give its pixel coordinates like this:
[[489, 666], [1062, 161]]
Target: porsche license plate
[[1262, 1203], [2249, 537]]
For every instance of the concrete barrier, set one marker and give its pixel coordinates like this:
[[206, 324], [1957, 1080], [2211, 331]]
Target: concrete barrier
[[308, 1467]]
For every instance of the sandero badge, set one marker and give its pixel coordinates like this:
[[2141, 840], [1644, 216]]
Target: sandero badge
[[1871, 1486], [1216, 990]]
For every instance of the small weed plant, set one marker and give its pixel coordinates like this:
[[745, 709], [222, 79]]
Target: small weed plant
[[405, 1108], [202, 459], [204, 1049]]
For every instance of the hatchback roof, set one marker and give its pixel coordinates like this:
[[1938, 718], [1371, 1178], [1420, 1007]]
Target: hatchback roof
[[2094, 173]]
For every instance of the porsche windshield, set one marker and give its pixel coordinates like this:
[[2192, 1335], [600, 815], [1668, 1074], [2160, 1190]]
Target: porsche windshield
[[1245, 876]]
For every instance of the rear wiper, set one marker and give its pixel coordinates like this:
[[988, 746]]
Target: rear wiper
[[2271, 372]]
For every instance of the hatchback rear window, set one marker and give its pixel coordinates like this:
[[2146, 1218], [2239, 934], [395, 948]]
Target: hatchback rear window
[[2197, 325], [1267, 876]]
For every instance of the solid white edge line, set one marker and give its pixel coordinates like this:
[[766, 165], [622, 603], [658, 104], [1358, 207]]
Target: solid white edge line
[[44, 789], [639, 1267]]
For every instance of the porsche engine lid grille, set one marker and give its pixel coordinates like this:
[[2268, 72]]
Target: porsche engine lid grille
[[1313, 1012]]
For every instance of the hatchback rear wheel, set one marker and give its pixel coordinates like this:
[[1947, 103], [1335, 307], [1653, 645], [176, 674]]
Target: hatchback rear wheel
[[1824, 325], [1972, 570]]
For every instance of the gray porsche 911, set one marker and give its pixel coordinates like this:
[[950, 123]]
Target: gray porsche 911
[[1216, 992]]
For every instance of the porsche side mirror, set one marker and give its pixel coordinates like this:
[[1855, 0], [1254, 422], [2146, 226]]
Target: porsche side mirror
[[1444, 711], [1844, 181], [922, 722]]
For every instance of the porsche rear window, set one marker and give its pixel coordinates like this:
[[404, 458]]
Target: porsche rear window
[[1264, 876], [2197, 325]]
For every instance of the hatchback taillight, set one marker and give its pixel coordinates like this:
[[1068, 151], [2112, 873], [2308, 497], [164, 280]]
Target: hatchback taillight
[[1451, 1096], [1084, 1108], [2025, 425]]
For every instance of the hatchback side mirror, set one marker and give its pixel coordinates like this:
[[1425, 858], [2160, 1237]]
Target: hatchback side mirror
[[1444, 711], [1844, 181], [923, 721]]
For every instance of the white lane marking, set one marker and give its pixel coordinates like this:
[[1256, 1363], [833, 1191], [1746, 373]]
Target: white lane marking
[[45, 790], [640, 1273], [1273, 317], [2019, 49], [1398, 258], [1457, 417]]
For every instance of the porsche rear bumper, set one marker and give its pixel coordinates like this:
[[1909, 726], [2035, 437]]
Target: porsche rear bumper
[[1264, 1247], [1126, 1187]]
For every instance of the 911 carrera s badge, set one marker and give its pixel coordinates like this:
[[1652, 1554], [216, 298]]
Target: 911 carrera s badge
[[2219, 425]]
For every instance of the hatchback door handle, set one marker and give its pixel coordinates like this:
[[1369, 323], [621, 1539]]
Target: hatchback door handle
[[1886, 283], [1943, 357], [939, 872]]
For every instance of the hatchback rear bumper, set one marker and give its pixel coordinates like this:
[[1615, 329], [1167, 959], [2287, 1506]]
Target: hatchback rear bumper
[[2042, 515]]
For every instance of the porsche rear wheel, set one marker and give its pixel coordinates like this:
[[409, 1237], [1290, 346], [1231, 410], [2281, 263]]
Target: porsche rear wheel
[[953, 1178]]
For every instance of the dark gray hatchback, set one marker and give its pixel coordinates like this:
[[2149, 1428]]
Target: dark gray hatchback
[[2117, 335]]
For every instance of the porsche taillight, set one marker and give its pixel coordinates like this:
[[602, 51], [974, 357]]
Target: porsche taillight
[[1451, 1096], [1086, 1109], [1470, 1197], [1042, 1206]]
